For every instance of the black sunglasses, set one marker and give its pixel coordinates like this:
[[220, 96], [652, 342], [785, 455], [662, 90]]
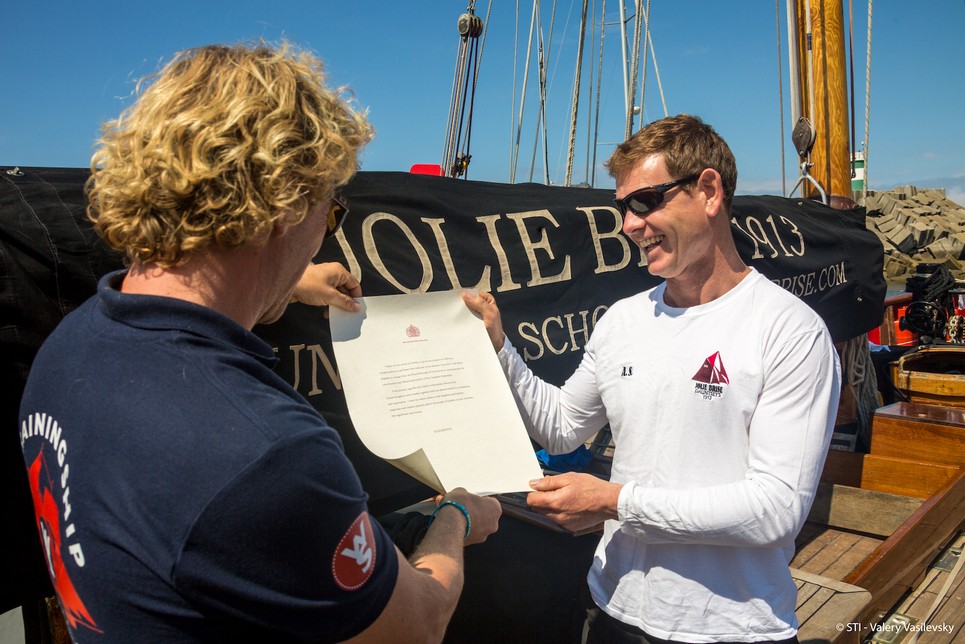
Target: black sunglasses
[[337, 213], [646, 199]]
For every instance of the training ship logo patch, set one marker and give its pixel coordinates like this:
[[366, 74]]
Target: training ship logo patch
[[711, 379]]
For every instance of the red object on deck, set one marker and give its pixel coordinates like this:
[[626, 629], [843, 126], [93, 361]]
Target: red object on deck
[[433, 169], [903, 337]]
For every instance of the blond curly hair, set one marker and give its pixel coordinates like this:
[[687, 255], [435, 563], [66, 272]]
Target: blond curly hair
[[225, 142]]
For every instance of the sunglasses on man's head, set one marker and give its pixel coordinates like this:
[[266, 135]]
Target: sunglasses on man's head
[[644, 200], [336, 214]]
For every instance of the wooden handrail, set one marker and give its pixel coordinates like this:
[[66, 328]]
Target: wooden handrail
[[898, 300], [886, 332]]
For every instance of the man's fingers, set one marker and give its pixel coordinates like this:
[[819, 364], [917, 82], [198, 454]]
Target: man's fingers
[[343, 301]]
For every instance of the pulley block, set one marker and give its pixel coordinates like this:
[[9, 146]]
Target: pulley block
[[469, 25]]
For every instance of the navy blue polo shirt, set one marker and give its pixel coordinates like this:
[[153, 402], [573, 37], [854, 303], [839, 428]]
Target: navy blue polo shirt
[[184, 491]]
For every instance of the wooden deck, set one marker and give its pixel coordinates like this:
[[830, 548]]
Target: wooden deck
[[876, 524], [831, 552], [829, 609], [825, 607], [938, 602]]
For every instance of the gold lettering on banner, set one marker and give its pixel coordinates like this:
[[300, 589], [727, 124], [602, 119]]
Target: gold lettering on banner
[[531, 246], [507, 284], [585, 330], [807, 284], [770, 220], [536, 335], [757, 247], [797, 233], [317, 356], [760, 235], [368, 242], [615, 234], [296, 350], [529, 332], [351, 262], [755, 231], [546, 335], [832, 276], [436, 225]]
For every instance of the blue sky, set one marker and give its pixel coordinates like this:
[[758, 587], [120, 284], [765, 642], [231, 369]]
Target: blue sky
[[65, 67]]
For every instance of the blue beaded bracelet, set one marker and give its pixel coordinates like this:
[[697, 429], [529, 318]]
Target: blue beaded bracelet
[[461, 508]]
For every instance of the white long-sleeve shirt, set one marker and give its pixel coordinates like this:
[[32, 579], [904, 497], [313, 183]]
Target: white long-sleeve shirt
[[721, 415]]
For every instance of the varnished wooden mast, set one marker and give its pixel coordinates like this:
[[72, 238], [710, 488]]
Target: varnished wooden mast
[[831, 154]]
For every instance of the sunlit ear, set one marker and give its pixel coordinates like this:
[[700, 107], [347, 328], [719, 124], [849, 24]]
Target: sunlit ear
[[277, 234], [711, 188], [280, 229]]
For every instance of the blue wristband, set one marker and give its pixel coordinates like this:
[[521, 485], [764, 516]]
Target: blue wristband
[[460, 507]]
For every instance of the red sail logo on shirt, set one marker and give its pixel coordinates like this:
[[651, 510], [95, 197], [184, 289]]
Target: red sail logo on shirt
[[354, 558], [710, 379]]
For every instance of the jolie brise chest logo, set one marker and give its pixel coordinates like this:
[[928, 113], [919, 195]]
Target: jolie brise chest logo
[[710, 381], [354, 558]]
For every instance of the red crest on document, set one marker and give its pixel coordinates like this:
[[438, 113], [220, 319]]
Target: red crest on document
[[354, 558], [413, 331]]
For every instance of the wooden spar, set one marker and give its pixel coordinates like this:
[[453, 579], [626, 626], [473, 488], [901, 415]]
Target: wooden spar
[[824, 72]]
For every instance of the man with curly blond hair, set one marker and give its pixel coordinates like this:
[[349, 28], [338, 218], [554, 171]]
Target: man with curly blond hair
[[183, 490]]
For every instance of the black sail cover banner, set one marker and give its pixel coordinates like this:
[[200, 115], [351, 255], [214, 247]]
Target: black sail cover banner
[[554, 258]]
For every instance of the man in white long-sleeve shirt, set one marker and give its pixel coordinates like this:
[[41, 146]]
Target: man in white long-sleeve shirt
[[720, 389]]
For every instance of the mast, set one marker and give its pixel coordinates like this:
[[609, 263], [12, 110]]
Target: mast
[[823, 96]]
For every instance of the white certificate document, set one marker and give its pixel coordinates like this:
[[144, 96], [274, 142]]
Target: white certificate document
[[426, 393]]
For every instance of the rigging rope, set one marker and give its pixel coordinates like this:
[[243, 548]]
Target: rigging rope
[[589, 113], [867, 102], [780, 95], [453, 101], [546, 154], [643, 81], [460, 164], [635, 67], [541, 114], [475, 76], [482, 40], [455, 97], [522, 100], [656, 71], [803, 133], [454, 162], [512, 105], [599, 79], [810, 64], [860, 374], [576, 97]]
